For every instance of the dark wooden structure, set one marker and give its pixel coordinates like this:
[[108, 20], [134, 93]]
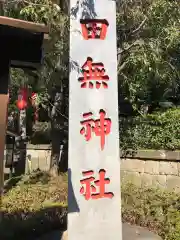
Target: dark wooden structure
[[21, 47], [10, 142]]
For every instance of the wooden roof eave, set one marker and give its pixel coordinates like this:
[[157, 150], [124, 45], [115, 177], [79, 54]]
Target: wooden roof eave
[[21, 24], [31, 27]]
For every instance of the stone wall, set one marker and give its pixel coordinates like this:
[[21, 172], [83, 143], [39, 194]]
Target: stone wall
[[153, 168], [37, 156], [146, 168]]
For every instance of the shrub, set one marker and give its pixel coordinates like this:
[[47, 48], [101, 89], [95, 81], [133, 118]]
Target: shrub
[[156, 131], [37, 204]]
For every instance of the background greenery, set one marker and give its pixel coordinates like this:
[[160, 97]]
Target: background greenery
[[148, 68], [160, 130]]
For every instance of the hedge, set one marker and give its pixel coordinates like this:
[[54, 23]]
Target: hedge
[[36, 205], [160, 130]]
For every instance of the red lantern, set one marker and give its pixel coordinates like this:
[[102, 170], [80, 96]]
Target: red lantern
[[22, 99], [21, 104]]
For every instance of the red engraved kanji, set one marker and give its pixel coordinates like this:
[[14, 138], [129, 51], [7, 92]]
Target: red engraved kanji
[[93, 72], [94, 28], [100, 127], [95, 189]]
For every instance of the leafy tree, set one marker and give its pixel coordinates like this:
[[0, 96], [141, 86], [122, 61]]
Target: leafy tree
[[54, 71], [148, 54]]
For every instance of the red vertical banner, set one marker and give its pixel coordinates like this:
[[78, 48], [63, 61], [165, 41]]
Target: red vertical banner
[[24, 93], [34, 104]]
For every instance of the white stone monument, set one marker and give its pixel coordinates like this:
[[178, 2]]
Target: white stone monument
[[94, 199]]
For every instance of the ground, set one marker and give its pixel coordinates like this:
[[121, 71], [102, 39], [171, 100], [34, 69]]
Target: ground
[[137, 233], [129, 233]]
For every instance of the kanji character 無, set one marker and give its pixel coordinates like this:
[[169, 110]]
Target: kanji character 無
[[93, 72]]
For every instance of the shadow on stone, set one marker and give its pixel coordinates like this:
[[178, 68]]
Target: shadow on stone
[[87, 7], [57, 235], [72, 203]]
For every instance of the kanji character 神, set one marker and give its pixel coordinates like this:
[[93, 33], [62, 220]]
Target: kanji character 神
[[93, 72], [95, 189], [94, 28], [101, 127]]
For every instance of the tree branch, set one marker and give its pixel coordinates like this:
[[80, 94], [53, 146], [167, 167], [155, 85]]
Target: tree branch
[[121, 51], [173, 69], [58, 111], [122, 67], [135, 31]]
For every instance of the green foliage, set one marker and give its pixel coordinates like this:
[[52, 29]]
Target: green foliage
[[149, 71], [153, 208], [55, 61], [156, 131], [150, 66], [35, 190], [39, 11]]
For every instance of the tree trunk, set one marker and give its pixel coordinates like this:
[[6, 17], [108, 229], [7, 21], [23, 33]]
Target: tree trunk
[[57, 130]]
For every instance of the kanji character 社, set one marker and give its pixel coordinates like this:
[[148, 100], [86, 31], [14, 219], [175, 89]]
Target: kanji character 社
[[100, 127], [95, 189], [93, 72], [94, 28]]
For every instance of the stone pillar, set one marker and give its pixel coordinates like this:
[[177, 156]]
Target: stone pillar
[[94, 200]]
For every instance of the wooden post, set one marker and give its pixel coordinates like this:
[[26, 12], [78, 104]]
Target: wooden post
[[94, 199], [4, 79]]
